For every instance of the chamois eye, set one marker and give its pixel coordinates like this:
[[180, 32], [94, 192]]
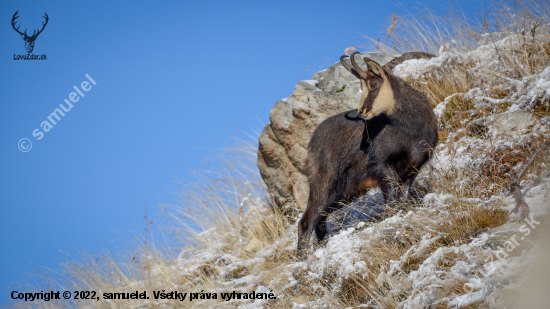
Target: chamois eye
[[374, 84]]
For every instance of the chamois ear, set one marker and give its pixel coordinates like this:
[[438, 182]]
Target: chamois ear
[[375, 68]]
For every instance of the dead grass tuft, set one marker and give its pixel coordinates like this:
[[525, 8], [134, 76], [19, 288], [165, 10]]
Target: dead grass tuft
[[467, 222]]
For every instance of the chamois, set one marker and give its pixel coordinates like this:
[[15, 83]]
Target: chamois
[[384, 143]]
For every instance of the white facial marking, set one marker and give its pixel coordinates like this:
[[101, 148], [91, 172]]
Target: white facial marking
[[384, 101], [364, 94]]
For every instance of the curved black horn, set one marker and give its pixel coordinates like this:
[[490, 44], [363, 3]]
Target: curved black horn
[[356, 67], [350, 69], [343, 62]]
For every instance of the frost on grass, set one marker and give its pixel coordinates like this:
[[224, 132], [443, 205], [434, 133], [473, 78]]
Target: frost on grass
[[443, 252]]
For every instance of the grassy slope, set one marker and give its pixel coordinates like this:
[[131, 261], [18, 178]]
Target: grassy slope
[[429, 254]]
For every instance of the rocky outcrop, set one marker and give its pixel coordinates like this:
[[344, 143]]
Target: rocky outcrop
[[283, 142]]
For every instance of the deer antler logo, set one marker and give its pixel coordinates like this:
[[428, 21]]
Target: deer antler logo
[[29, 40]]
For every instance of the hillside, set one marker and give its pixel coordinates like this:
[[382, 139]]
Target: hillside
[[463, 246]]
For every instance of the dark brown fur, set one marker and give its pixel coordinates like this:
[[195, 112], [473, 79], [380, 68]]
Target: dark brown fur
[[347, 155]]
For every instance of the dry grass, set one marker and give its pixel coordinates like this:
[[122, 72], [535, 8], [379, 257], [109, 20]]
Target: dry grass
[[465, 222], [229, 202], [469, 221], [452, 80]]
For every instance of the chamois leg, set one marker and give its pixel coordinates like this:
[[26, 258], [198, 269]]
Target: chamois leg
[[389, 185], [321, 226], [388, 190], [311, 217], [305, 229], [403, 193]]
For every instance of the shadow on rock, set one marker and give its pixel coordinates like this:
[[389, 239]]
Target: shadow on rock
[[367, 208]]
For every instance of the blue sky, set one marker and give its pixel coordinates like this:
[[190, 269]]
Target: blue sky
[[175, 81]]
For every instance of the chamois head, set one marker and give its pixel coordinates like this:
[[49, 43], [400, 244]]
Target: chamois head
[[377, 95]]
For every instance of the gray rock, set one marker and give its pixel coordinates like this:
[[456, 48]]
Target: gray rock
[[511, 123], [367, 208], [406, 56], [364, 209]]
